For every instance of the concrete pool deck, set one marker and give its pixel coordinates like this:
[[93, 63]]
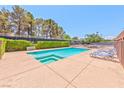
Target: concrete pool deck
[[19, 70]]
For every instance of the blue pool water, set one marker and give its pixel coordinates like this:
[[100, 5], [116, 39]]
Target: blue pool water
[[48, 56]]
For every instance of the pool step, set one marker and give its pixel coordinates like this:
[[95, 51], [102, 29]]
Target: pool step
[[49, 58], [38, 58]]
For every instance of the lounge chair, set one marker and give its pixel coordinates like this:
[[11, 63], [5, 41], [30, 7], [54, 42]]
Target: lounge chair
[[105, 54], [92, 46]]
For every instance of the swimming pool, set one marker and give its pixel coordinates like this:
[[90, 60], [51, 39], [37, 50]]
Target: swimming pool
[[48, 56]]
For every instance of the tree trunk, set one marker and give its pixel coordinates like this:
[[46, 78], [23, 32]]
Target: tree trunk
[[18, 32], [28, 31], [31, 29], [3, 27]]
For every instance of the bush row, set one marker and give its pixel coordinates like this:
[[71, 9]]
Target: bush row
[[20, 45], [2, 46], [17, 45], [51, 44]]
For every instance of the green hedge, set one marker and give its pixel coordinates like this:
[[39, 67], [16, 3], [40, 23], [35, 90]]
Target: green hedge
[[2, 46], [17, 45], [51, 44], [20, 45]]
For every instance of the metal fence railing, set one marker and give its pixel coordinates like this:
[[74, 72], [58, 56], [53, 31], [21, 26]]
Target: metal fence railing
[[33, 39]]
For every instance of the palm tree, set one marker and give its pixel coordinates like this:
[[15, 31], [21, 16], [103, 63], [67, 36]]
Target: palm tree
[[45, 28], [38, 26], [31, 21], [49, 27], [55, 31], [61, 32]]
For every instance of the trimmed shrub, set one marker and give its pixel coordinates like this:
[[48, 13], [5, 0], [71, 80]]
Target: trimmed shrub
[[17, 45], [51, 44], [2, 47]]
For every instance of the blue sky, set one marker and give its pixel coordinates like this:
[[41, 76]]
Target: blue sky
[[81, 20]]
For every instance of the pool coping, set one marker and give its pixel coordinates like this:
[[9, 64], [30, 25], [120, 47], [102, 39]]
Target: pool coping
[[53, 49], [28, 53]]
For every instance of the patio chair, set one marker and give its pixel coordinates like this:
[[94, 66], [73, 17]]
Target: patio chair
[[105, 54], [93, 46]]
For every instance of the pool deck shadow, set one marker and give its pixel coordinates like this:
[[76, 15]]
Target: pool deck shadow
[[19, 70]]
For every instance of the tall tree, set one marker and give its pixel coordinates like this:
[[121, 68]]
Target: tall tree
[[17, 18], [4, 20], [22, 22], [28, 23]]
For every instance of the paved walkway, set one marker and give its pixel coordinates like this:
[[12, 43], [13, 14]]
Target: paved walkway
[[17, 69]]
